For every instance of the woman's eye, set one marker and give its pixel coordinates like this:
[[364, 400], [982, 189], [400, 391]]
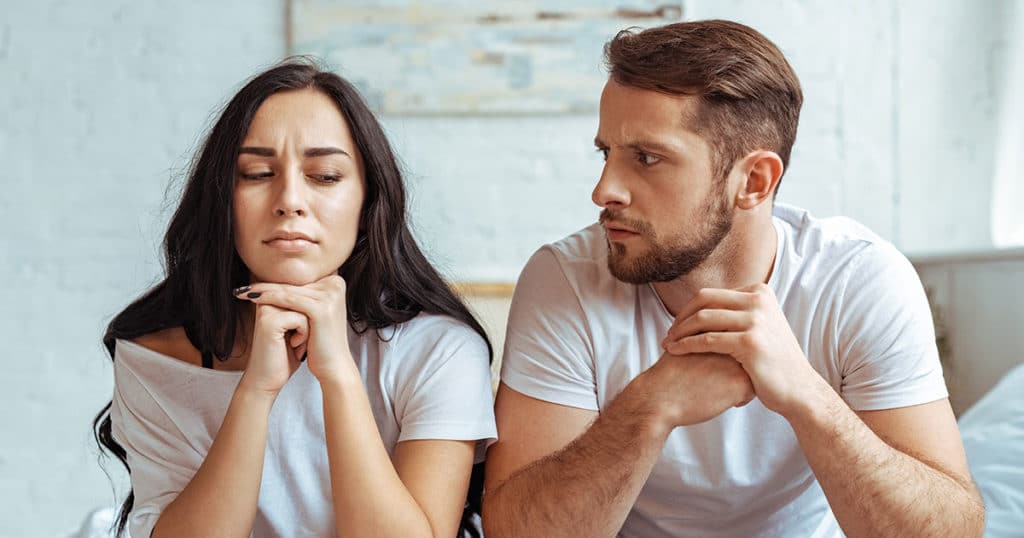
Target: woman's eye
[[257, 175], [603, 152], [326, 178]]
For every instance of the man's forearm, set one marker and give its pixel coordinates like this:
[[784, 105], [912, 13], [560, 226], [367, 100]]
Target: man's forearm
[[875, 489], [588, 487]]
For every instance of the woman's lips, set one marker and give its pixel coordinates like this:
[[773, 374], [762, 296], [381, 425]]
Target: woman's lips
[[290, 245]]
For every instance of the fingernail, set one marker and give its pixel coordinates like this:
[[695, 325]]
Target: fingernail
[[303, 359], [254, 295], [242, 289]]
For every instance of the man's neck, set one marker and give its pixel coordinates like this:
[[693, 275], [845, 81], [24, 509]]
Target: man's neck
[[745, 257]]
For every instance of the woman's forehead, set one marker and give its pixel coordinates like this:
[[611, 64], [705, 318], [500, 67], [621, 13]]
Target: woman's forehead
[[305, 116]]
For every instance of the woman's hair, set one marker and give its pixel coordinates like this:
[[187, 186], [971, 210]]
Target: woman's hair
[[748, 95], [389, 280]]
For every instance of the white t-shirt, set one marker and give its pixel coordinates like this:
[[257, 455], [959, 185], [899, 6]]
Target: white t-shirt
[[577, 336], [429, 380]]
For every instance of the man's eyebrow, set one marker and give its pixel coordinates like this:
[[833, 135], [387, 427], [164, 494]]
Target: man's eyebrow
[[651, 145], [321, 152], [262, 152], [641, 144]]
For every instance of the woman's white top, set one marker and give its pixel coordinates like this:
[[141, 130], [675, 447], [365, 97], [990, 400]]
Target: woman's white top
[[429, 379]]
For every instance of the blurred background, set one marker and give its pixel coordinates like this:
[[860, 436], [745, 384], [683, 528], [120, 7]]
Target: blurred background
[[913, 124]]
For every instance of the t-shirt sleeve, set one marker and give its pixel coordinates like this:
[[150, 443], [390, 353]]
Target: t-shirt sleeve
[[446, 394], [887, 350], [548, 354], [161, 459]]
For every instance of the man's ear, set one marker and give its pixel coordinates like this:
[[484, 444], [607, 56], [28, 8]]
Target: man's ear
[[762, 171]]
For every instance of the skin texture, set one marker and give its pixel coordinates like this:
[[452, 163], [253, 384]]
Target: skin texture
[[300, 172], [558, 470]]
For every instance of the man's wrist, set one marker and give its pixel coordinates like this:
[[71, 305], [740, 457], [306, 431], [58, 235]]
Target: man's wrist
[[816, 407], [635, 404]]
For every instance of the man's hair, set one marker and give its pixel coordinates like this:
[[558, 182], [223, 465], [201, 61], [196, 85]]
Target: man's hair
[[748, 95]]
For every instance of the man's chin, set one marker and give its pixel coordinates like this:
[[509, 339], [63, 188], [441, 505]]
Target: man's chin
[[624, 269]]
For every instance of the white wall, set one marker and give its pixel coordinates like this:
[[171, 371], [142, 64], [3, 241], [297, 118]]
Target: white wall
[[980, 305], [103, 104]]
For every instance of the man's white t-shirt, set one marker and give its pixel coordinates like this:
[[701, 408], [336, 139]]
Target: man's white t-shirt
[[429, 379], [577, 336]]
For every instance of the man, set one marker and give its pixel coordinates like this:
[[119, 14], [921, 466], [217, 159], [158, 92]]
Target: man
[[705, 362]]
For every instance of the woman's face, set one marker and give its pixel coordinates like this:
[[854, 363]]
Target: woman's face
[[299, 189]]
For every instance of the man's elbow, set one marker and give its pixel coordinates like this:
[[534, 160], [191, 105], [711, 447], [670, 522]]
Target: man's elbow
[[973, 511], [490, 515]]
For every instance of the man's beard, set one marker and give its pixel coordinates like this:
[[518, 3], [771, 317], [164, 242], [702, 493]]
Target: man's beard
[[661, 262]]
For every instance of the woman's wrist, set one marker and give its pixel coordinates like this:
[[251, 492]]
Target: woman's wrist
[[249, 392], [340, 374]]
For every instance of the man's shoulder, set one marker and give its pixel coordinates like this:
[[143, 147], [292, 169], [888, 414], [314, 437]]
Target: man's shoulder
[[838, 255], [829, 240], [582, 257], [583, 246]]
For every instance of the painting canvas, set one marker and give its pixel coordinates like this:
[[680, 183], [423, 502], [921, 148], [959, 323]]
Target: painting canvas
[[411, 57]]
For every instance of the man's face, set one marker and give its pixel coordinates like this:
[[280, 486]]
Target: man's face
[[664, 212]]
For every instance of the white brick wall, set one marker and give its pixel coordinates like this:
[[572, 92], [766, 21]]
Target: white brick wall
[[103, 103]]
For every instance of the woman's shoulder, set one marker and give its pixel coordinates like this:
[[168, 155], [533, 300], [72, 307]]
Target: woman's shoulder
[[434, 327], [171, 342], [432, 337]]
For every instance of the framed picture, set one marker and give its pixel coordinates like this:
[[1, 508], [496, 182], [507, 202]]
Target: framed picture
[[448, 57]]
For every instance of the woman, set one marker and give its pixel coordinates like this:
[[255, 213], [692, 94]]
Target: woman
[[302, 369]]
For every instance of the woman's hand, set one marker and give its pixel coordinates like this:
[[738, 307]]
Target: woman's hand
[[276, 349], [322, 305]]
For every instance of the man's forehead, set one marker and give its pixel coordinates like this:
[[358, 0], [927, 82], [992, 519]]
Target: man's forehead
[[629, 115]]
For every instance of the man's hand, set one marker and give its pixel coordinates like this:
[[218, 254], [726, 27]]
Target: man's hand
[[748, 325], [690, 389]]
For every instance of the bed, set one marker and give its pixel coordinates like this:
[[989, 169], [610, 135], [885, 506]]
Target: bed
[[993, 434]]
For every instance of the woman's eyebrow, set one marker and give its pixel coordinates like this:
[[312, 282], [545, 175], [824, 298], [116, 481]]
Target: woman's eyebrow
[[330, 150], [262, 152], [310, 152]]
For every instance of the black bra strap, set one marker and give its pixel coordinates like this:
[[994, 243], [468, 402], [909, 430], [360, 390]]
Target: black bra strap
[[208, 360]]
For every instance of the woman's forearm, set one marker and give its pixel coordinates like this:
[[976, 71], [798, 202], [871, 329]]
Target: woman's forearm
[[222, 496], [370, 498]]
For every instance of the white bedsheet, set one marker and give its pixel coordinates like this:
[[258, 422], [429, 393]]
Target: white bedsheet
[[993, 433]]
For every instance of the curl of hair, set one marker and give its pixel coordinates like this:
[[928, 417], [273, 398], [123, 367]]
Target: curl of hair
[[389, 280]]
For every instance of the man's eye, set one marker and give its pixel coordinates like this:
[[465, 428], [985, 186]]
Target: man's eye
[[646, 158]]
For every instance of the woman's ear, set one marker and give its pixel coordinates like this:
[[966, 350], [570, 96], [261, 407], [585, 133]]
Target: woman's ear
[[762, 172]]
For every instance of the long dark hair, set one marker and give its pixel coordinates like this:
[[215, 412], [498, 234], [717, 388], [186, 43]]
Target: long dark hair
[[389, 280]]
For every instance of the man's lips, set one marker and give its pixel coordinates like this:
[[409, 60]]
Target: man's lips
[[617, 233]]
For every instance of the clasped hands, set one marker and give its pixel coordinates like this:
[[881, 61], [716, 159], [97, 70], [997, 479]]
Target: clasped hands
[[293, 324], [724, 348]]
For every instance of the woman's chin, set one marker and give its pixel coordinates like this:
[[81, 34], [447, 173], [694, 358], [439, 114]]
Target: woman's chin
[[291, 276]]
